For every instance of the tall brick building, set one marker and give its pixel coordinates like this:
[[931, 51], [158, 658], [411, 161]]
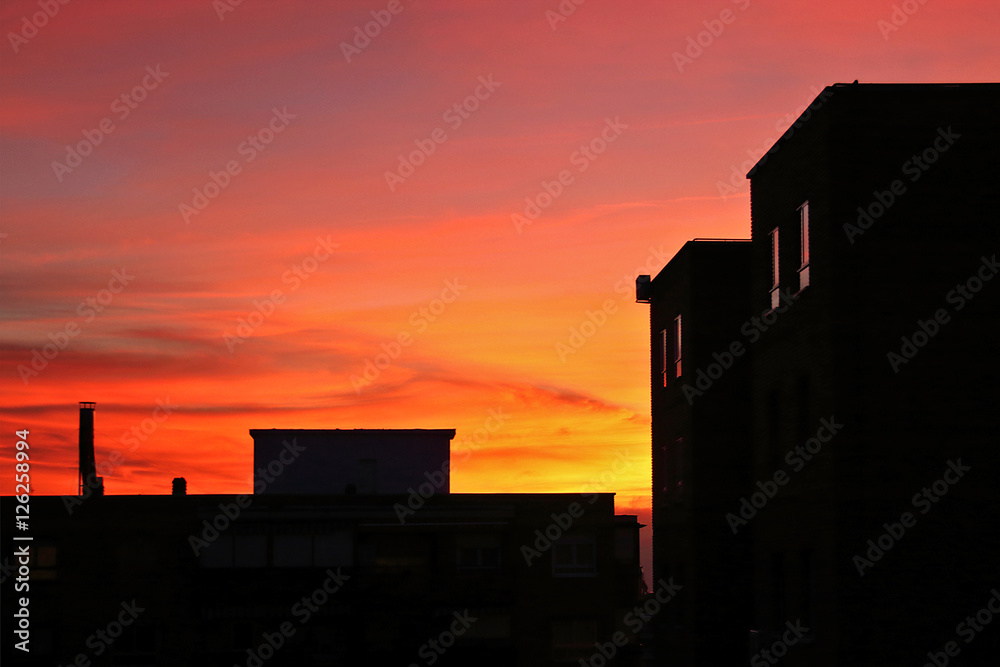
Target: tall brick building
[[833, 416]]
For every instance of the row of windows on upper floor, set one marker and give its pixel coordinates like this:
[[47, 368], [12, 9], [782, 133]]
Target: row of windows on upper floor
[[571, 556], [671, 347]]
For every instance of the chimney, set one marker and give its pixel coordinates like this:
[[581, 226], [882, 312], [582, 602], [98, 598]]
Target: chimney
[[88, 466], [180, 486]]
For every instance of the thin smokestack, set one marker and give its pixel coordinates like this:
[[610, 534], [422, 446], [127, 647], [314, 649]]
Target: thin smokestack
[[88, 465]]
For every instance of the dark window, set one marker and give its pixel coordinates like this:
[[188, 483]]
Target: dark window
[[679, 467], [806, 584], [574, 557], [674, 468], [773, 429], [573, 638], [478, 557], [778, 584], [802, 421], [679, 603]]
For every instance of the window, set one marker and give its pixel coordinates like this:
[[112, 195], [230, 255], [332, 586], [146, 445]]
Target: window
[[774, 268], [802, 422], [677, 346], [333, 549], [489, 626], [806, 587], [679, 466], [574, 557], [292, 550], [43, 560], [779, 613], [367, 476], [675, 470], [663, 355], [296, 550], [624, 544], [665, 468], [573, 639], [250, 551], [804, 237], [569, 633], [678, 607], [218, 553], [478, 553], [773, 429], [478, 558], [139, 644]]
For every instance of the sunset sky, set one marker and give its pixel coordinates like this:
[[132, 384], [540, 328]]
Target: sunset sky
[[117, 247]]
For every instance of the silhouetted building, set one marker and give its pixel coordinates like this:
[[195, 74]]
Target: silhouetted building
[[870, 376], [419, 577], [211, 588], [701, 448], [364, 461]]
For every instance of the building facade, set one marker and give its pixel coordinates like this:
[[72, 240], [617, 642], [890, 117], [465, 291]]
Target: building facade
[[361, 460], [389, 569], [700, 452], [870, 425]]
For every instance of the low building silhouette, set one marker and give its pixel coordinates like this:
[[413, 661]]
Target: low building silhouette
[[361, 460], [416, 576]]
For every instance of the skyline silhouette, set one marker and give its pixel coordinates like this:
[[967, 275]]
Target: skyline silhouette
[[220, 217]]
